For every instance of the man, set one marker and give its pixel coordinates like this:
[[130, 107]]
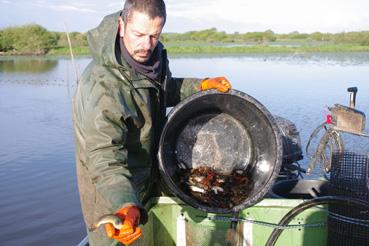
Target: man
[[119, 110]]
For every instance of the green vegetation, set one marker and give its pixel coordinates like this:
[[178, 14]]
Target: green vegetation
[[29, 39], [36, 40], [79, 50], [212, 35], [264, 49]]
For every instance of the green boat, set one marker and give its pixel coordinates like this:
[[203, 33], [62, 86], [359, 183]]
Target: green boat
[[282, 207], [172, 222]]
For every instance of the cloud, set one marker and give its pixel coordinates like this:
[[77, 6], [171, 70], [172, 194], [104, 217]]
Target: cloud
[[116, 5], [62, 6], [280, 16], [78, 7]]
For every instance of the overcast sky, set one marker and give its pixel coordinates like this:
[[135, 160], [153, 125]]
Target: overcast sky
[[281, 16]]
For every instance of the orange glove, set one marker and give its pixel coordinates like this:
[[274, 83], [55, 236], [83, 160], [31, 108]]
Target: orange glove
[[129, 232], [219, 83]]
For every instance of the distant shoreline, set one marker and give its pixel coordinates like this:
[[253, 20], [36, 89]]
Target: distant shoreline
[[34, 39], [219, 49]]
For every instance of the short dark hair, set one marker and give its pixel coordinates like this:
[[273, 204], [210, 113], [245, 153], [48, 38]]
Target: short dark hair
[[153, 8]]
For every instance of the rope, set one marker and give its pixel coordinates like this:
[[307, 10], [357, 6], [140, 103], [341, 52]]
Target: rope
[[331, 139], [266, 224], [350, 220]]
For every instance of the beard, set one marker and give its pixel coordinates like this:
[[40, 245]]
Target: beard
[[142, 55]]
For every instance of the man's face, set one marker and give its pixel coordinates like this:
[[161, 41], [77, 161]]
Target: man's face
[[141, 35]]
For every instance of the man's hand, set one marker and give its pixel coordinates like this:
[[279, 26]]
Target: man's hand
[[219, 83], [129, 232]]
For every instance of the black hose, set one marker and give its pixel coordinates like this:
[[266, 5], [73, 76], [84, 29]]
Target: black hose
[[311, 203]]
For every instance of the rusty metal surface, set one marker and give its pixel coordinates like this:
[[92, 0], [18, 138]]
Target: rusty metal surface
[[348, 119]]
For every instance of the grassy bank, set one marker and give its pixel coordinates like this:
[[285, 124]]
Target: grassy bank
[[64, 51], [175, 49], [36, 40], [193, 49]]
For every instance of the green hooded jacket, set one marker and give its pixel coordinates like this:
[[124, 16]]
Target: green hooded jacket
[[118, 115]]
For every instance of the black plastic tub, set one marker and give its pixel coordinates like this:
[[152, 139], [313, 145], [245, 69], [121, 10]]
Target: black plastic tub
[[225, 131]]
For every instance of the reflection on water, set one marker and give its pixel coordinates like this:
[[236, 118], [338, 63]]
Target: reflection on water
[[37, 168], [27, 65], [337, 59]]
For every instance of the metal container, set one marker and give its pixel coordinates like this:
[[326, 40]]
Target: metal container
[[347, 119]]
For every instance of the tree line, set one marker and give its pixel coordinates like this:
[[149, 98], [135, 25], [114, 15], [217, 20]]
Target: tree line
[[35, 39], [213, 35]]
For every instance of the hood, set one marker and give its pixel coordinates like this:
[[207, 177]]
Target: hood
[[102, 41]]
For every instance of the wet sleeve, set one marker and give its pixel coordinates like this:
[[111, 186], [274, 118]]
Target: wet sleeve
[[106, 135]]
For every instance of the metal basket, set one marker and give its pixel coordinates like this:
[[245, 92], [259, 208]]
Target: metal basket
[[349, 225]]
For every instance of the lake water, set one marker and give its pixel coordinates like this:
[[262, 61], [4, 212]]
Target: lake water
[[39, 202]]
